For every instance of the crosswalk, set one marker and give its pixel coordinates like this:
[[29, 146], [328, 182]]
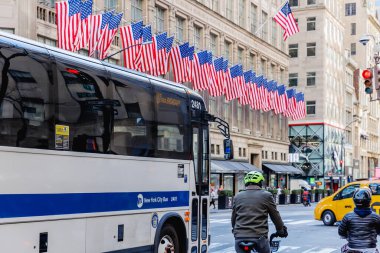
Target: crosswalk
[[286, 221], [226, 248]]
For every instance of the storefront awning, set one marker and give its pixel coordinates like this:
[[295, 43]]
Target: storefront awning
[[283, 169], [219, 166]]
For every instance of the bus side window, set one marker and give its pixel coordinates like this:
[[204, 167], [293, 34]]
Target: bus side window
[[83, 103], [173, 125], [134, 126], [27, 103]]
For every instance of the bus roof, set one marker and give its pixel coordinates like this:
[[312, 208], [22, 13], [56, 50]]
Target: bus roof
[[97, 61]]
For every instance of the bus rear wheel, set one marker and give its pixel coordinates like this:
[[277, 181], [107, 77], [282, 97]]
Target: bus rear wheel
[[169, 241]]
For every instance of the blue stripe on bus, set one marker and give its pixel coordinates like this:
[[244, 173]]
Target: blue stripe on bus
[[26, 205]]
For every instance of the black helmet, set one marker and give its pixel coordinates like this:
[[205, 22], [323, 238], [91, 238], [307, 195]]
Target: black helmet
[[362, 197]]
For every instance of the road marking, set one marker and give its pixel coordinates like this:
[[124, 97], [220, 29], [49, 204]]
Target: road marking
[[216, 244], [318, 250], [290, 248], [222, 221], [300, 222], [225, 250]]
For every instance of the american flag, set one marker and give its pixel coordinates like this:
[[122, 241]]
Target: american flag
[[213, 88], [189, 61], [145, 56], [68, 20], [169, 45], [259, 81], [265, 94], [84, 28], [110, 33], [131, 39], [286, 20], [254, 93], [177, 59], [217, 72], [200, 71], [281, 99], [160, 56], [291, 110], [97, 24], [246, 98], [234, 82], [300, 111], [272, 94]]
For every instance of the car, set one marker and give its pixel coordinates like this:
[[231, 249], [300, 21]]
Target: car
[[333, 208]]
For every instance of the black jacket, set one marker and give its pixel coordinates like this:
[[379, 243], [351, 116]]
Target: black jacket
[[360, 228], [250, 213]]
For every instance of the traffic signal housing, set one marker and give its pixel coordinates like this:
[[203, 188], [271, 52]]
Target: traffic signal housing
[[367, 74]]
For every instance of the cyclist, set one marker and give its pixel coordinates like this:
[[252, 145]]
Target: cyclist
[[361, 226], [250, 214]]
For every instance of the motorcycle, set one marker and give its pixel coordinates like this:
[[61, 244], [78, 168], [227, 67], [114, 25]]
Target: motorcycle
[[249, 247], [305, 200]]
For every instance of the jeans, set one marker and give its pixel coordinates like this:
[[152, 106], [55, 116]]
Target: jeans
[[262, 245]]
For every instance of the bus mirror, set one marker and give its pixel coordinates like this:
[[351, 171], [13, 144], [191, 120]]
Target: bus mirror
[[228, 149]]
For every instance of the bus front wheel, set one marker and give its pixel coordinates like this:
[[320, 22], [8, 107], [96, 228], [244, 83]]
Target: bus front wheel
[[169, 241]]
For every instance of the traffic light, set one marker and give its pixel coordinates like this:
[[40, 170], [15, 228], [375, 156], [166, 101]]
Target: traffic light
[[367, 74], [341, 163]]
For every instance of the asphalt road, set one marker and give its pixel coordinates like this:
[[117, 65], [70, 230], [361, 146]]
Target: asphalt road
[[306, 235]]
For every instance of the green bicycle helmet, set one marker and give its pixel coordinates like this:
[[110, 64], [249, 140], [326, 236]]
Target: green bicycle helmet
[[253, 177]]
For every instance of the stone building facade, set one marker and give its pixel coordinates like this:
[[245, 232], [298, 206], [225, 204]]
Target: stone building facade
[[240, 30]]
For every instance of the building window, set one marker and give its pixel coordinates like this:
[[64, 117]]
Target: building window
[[274, 33], [214, 43], [264, 23], [275, 155], [310, 24], [227, 51], [293, 79], [212, 149], [46, 41], [253, 18], [240, 152], [241, 56], [180, 24], [263, 66], [136, 9], [310, 49], [353, 48], [350, 9], [310, 107], [293, 3], [218, 149], [229, 10], [110, 4], [266, 154], [353, 28], [197, 37], [215, 5], [244, 152], [7, 30], [212, 106], [241, 12], [252, 61], [293, 50], [310, 78], [310, 2], [160, 20], [240, 116]]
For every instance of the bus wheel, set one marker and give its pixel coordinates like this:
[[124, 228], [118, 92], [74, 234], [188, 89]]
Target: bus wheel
[[169, 242]]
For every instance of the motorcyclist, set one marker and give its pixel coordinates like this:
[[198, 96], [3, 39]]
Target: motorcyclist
[[250, 214], [361, 226]]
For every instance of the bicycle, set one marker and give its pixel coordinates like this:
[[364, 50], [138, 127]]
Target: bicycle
[[249, 247]]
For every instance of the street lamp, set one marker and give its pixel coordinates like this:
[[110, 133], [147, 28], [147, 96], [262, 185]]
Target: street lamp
[[365, 39]]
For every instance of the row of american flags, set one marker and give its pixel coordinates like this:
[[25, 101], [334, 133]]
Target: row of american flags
[[155, 54]]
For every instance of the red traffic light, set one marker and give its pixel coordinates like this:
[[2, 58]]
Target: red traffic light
[[367, 74], [341, 162]]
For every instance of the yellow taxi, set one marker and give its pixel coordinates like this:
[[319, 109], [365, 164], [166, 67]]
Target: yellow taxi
[[334, 207]]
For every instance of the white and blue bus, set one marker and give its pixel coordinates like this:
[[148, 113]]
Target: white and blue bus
[[98, 158]]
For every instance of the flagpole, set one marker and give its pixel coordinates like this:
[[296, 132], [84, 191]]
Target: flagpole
[[121, 50], [266, 21]]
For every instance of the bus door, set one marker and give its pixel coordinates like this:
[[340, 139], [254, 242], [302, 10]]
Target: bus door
[[200, 198]]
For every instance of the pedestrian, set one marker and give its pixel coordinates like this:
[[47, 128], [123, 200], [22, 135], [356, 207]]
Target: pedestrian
[[212, 197], [279, 191]]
